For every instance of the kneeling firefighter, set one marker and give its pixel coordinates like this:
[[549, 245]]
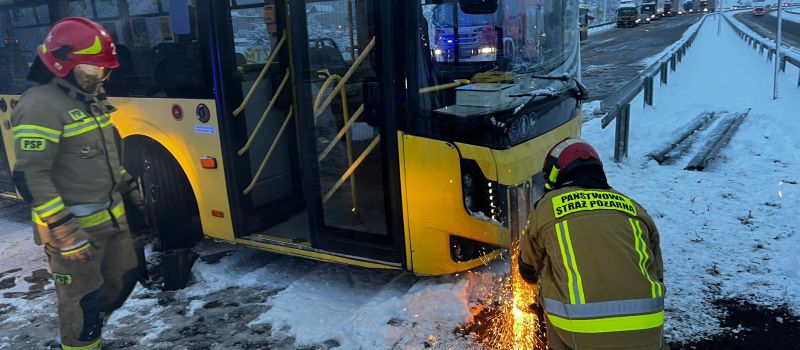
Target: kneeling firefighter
[[68, 169], [596, 257]]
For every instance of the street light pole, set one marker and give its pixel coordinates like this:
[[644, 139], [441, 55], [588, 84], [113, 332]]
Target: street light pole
[[605, 11], [718, 3], [777, 51]]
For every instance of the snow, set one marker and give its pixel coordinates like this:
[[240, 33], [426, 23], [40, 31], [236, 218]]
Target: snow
[[729, 231], [602, 28], [788, 15], [788, 51]]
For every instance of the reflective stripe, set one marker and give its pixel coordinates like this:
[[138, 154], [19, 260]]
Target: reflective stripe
[[95, 49], [641, 249], [102, 216], [86, 125], [123, 172], [27, 130], [609, 324], [604, 308], [36, 219], [92, 346], [575, 282], [50, 208], [87, 209], [80, 249]]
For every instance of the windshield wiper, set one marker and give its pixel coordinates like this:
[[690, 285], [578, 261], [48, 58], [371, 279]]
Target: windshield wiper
[[581, 93]]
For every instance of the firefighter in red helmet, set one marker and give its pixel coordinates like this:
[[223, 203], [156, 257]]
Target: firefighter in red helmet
[[595, 255], [69, 170]]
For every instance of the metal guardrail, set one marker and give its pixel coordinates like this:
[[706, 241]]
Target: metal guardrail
[[618, 105], [601, 24], [787, 54]]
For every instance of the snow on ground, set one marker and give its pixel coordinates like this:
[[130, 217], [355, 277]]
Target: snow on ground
[[731, 230], [727, 232], [603, 28]]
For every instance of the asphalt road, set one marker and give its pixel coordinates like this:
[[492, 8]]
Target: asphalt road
[[611, 58], [767, 26]]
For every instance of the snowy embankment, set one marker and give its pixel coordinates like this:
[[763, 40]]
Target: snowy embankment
[[729, 231], [602, 28], [790, 14]]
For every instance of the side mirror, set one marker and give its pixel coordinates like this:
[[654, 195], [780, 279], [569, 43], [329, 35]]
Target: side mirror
[[478, 7], [373, 114]]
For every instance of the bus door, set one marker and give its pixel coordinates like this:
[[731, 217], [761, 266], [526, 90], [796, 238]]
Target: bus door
[[347, 133], [264, 139]]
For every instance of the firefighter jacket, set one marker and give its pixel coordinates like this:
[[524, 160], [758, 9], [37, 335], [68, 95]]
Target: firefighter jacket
[[597, 258], [68, 167]]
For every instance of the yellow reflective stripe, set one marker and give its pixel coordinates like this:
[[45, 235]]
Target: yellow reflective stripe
[[36, 219], [86, 125], [641, 250], [123, 172], [82, 249], [101, 216], [95, 49], [92, 346], [609, 324], [50, 208], [574, 280], [29, 130], [574, 263]]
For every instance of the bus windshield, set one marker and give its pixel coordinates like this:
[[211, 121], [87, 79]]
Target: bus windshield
[[522, 38]]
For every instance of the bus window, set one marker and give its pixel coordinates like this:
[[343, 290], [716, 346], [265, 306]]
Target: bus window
[[23, 28], [338, 32], [251, 41]]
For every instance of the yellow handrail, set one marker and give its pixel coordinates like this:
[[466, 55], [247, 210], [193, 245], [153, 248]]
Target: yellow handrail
[[341, 133], [269, 152], [363, 56], [261, 75], [352, 168], [456, 83], [265, 114]]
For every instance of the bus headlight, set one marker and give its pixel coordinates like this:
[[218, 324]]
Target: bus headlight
[[438, 52], [483, 199], [487, 50]]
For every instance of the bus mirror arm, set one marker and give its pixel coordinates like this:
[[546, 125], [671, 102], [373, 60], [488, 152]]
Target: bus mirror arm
[[372, 102]]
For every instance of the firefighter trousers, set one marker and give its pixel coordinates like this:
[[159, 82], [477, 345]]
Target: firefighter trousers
[[89, 291]]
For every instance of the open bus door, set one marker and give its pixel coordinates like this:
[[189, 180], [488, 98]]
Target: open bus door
[[314, 141]]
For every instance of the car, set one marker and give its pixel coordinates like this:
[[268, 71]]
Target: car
[[759, 11]]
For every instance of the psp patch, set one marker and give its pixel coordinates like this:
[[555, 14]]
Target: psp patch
[[62, 279], [77, 114], [32, 144]]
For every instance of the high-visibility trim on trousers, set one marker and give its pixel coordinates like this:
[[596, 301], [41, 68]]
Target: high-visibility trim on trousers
[[50, 208], [604, 308], [641, 248], [574, 280], [92, 346], [102, 216], [608, 324]]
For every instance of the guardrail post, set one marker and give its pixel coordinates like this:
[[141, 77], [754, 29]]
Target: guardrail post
[[621, 136], [783, 63], [673, 62], [798, 80], [664, 73], [770, 52], [761, 48], [648, 91]]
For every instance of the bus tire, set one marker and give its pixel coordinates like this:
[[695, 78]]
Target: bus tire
[[171, 204]]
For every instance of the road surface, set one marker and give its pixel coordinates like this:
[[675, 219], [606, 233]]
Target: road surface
[[767, 26], [611, 58]]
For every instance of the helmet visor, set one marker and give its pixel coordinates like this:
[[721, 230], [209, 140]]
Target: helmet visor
[[90, 77]]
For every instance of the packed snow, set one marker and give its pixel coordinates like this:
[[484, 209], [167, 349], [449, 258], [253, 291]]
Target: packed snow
[[727, 232]]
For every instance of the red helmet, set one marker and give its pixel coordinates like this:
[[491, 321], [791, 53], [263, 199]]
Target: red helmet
[[75, 40], [564, 156]]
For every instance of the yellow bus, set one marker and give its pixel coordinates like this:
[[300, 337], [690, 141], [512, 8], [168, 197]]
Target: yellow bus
[[376, 133]]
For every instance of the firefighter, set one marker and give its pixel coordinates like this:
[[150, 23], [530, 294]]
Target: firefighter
[[68, 169], [595, 255]]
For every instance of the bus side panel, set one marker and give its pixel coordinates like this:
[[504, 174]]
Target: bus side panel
[[188, 140], [7, 158], [517, 165], [435, 207]]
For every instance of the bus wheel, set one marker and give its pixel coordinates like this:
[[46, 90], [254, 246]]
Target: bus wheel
[[171, 203], [172, 209]]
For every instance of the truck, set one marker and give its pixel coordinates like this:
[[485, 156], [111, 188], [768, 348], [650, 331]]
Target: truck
[[653, 9], [476, 36], [627, 15], [706, 5], [669, 9]]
